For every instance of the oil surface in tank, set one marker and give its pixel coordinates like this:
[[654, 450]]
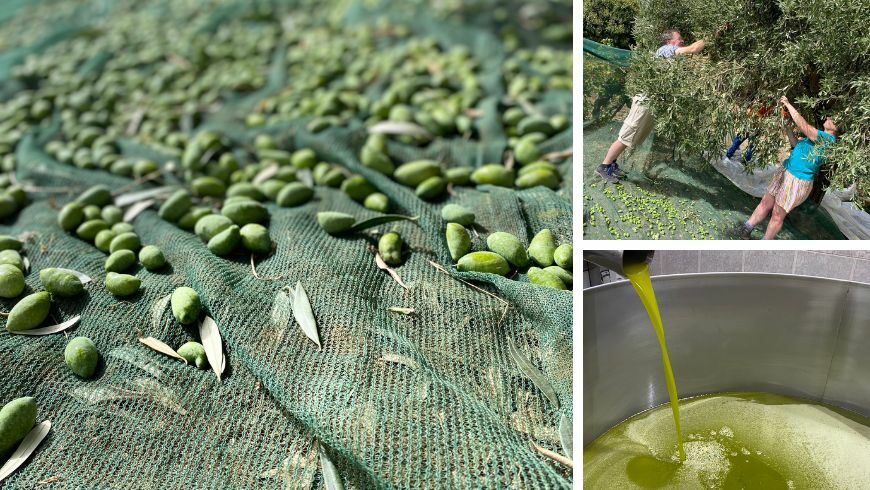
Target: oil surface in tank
[[733, 441]]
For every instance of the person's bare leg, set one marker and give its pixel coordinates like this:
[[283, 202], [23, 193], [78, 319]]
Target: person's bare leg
[[613, 153], [761, 211], [775, 222]]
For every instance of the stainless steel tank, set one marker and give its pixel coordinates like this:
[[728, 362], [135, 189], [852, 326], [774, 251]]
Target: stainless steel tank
[[802, 336]]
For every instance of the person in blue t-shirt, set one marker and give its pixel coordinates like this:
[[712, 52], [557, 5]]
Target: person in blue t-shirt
[[793, 182]]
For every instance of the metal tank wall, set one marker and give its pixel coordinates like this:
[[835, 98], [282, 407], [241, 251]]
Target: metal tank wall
[[795, 335]]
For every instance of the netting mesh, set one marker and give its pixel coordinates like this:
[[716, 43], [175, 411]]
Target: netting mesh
[[665, 196], [429, 400]]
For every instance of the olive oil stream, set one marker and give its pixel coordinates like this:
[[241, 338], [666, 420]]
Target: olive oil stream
[[638, 275]]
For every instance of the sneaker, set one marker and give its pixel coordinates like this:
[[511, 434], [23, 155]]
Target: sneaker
[[617, 172], [740, 232], [606, 173]]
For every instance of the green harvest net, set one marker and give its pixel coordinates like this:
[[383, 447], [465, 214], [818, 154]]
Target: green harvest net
[[427, 400], [665, 196]]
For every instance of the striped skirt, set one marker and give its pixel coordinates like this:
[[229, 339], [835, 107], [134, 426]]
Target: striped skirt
[[788, 190]]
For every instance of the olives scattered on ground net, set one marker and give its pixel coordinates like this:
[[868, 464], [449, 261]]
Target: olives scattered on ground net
[[294, 194], [98, 195], [11, 281], [81, 356], [125, 241], [209, 226], [10, 243], [255, 238], [509, 247], [119, 228], [304, 158], [120, 261], [357, 188], [186, 305], [334, 222], [542, 248], [71, 215], [17, 418], [226, 241], [564, 256], [377, 202], [194, 354], [111, 214], [566, 276], [458, 175], [431, 188], [458, 241], [493, 174], [29, 313], [390, 248], [414, 173], [103, 240], [454, 213], [61, 282], [89, 229], [541, 177], [13, 258], [122, 285], [490, 262], [151, 257], [174, 208], [244, 212], [544, 277]]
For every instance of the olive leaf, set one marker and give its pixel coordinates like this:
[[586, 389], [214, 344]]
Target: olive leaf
[[162, 348], [306, 177], [129, 198], [402, 310], [26, 262], [384, 267], [136, 209], [400, 128], [303, 314], [25, 448], [379, 220], [330, 473], [531, 372], [60, 327], [565, 435], [211, 342], [157, 310], [84, 278], [265, 174]]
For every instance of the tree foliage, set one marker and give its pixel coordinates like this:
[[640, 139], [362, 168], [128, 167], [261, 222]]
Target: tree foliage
[[610, 21], [815, 52]]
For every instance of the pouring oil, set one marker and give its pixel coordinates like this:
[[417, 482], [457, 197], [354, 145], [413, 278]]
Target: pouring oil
[[638, 275]]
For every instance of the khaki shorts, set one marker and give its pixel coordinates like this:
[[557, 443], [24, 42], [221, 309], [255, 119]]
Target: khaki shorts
[[788, 190], [637, 125]]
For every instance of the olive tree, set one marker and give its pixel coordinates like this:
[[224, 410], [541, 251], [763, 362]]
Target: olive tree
[[817, 53]]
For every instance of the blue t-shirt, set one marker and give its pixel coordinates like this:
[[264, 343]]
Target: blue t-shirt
[[806, 157], [667, 51]]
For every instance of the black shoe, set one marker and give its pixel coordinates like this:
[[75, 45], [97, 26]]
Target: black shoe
[[606, 173], [740, 232], [617, 172]]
